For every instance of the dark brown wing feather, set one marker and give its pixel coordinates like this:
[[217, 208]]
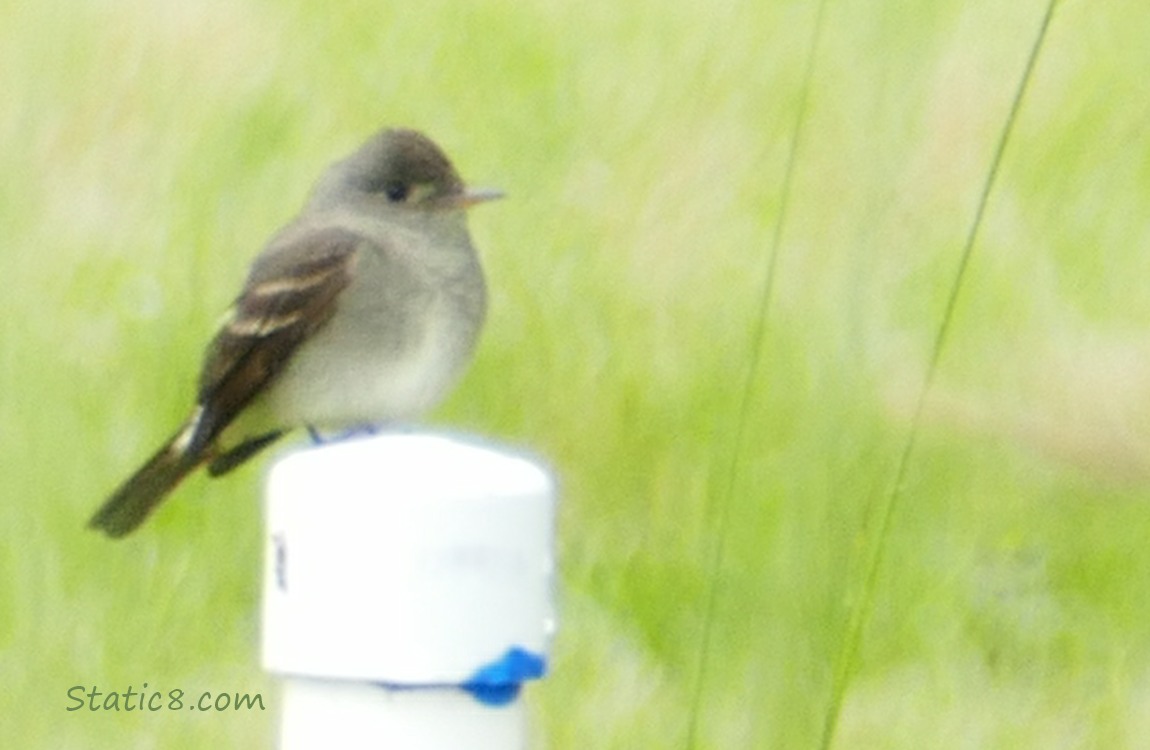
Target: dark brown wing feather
[[288, 296]]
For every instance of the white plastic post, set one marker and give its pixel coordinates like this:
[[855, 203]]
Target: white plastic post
[[407, 592]]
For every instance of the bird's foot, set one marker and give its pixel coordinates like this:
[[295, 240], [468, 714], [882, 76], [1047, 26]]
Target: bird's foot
[[318, 438]]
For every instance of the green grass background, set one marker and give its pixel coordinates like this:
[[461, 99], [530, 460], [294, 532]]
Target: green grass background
[[147, 149]]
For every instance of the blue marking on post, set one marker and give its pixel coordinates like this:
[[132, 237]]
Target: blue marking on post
[[498, 683]]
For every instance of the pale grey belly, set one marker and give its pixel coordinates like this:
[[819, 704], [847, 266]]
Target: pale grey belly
[[360, 374]]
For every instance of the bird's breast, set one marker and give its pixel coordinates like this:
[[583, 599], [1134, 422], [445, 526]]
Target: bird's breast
[[396, 344]]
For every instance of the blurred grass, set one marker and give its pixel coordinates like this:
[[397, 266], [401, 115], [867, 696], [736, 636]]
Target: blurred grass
[[149, 148]]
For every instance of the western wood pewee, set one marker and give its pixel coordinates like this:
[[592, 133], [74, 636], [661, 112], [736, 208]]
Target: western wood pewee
[[362, 310]]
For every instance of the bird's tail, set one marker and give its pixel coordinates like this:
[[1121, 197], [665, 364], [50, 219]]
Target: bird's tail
[[136, 498]]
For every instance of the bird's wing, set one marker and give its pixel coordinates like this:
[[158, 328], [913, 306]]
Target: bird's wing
[[291, 292]]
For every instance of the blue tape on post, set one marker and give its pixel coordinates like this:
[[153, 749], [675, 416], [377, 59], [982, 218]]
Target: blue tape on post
[[498, 683]]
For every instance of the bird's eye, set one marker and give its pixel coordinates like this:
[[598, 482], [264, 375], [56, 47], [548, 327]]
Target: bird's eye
[[396, 192]]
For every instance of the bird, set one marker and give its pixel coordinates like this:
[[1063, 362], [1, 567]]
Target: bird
[[363, 310]]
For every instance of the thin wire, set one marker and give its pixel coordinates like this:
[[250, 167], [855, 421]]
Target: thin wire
[[858, 616], [749, 385]]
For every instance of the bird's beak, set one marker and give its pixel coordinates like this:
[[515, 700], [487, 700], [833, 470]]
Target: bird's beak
[[474, 196]]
